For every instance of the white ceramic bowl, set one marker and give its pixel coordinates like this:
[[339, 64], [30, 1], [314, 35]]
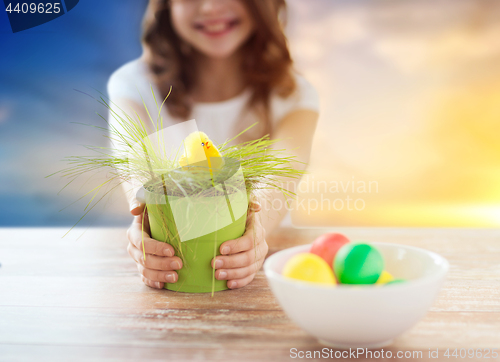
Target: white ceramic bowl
[[368, 316]]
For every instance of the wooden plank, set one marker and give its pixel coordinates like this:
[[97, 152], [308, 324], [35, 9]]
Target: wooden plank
[[204, 328], [60, 291], [129, 291]]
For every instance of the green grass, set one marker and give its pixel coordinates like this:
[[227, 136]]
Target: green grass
[[263, 166]]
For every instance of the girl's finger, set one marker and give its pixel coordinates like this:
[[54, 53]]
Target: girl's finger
[[138, 238], [239, 273], [153, 261], [243, 243], [152, 284], [243, 259], [254, 234], [158, 276], [238, 283]]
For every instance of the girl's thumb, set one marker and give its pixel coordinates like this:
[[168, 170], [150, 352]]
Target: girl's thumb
[[137, 203], [255, 206]]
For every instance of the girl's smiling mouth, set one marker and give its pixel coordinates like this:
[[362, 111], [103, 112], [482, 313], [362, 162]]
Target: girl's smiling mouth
[[216, 27]]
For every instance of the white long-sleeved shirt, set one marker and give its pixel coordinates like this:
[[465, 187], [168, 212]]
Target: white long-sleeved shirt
[[217, 119]]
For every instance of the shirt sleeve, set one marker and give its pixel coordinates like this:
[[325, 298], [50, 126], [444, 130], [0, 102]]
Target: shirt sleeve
[[305, 97], [125, 83]]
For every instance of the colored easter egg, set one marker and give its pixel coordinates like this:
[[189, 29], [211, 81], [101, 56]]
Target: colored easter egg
[[385, 278], [309, 268], [327, 245], [396, 281], [358, 263]]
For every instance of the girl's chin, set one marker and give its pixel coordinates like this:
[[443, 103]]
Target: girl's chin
[[218, 52]]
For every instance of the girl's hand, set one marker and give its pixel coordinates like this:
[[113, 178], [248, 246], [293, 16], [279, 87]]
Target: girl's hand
[[241, 258], [160, 265]]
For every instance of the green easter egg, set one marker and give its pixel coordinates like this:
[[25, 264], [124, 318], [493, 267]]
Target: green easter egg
[[358, 263]]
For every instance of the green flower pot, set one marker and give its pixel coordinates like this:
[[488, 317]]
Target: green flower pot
[[196, 225]]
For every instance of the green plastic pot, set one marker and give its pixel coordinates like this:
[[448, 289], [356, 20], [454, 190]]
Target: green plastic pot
[[197, 226]]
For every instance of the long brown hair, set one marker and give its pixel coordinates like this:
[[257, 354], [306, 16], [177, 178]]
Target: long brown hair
[[267, 63]]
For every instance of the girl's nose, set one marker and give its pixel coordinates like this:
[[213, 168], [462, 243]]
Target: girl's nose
[[212, 6]]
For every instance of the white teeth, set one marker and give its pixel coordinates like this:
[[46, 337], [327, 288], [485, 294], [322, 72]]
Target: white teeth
[[216, 28]]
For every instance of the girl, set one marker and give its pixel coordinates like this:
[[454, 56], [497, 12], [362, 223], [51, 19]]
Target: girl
[[229, 66]]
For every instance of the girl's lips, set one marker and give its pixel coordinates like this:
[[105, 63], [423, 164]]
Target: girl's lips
[[216, 28]]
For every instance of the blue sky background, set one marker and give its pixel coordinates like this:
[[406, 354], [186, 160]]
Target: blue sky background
[[412, 105], [39, 70]]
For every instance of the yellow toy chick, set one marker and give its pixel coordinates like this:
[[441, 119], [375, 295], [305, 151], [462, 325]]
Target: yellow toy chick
[[197, 147]]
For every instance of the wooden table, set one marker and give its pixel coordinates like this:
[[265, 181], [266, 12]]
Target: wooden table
[[82, 299]]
